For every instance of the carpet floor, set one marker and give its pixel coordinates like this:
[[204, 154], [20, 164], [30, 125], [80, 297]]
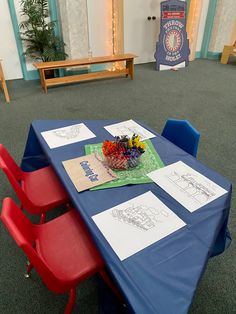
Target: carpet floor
[[204, 93]]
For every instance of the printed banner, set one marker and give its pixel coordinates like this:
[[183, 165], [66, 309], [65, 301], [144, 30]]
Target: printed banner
[[172, 49]]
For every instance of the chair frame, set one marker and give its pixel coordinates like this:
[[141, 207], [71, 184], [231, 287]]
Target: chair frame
[[16, 177], [26, 235]]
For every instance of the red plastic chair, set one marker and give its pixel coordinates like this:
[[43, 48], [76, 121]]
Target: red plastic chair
[[39, 191], [61, 250]]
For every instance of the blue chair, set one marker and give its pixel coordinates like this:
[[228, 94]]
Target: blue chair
[[182, 134]]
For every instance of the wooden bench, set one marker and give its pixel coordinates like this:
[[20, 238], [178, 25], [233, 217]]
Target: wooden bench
[[48, 82], [3, 84], [229, 49]]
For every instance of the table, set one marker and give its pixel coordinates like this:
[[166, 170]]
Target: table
[[164, 276], [52, 65]]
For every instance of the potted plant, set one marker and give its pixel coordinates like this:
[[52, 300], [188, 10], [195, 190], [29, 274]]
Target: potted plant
[[39, 32]]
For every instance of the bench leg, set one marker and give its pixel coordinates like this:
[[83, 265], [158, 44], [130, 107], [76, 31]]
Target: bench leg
[[4, 85], [130, 66], [225, 55], [43, 81]]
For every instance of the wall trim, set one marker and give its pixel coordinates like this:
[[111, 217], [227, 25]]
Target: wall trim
[[210, 55], [208, 28], [214, 55]]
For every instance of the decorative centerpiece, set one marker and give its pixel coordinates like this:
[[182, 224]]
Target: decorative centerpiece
[[123, 152]]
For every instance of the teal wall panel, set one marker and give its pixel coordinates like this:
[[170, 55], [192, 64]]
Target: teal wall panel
[[214, 55], [208, 28]]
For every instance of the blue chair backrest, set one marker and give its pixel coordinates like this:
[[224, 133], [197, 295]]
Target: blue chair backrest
[[182, 134]]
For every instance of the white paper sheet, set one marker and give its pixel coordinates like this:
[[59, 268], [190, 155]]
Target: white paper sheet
[[129, 128], [190, 188], [133, 225], [67, 135], [177, 66]]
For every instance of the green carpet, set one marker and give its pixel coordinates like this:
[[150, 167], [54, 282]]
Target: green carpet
[[204, 93]]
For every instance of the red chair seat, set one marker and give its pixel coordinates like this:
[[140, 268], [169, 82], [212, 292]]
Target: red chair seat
[[38, 191], [43, 188], [61, 250], [67, 248]]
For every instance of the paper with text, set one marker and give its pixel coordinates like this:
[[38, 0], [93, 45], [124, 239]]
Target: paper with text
[[88, 171], [129, 128], [190, 188], [134, 225], [67, 135]]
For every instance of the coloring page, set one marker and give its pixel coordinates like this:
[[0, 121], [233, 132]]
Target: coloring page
[[133, 225], [67, 135], [190, 188], [129, 128]]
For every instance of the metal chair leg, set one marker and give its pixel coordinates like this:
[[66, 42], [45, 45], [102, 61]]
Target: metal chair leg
[[111, 285], [28, 270], [71, 302], [69, 206], [42, 218]]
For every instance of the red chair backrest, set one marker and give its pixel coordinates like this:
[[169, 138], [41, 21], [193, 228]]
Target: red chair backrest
[[25, 235], [14, 175]]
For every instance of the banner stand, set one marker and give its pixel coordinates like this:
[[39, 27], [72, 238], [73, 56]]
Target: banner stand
[[172, 50]]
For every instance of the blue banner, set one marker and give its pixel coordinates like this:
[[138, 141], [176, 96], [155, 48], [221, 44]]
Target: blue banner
[[172, 50]]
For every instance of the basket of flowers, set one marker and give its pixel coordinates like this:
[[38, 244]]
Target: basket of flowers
[[123, 152]]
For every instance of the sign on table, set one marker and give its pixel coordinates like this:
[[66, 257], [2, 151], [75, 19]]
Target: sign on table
[[67, 135], [190, 188], [134, 225], [88, 171], [129, 128]]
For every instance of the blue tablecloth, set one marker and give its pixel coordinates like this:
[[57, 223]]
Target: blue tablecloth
[[163, 277]]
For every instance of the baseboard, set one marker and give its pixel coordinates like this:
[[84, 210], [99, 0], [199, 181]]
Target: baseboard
[[210, 55], [214, 55], [32, 75]]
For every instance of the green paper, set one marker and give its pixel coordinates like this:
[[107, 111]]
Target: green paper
[[150, 161]]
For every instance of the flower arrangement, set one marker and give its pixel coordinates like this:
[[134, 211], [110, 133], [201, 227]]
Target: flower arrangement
[[123, 152]]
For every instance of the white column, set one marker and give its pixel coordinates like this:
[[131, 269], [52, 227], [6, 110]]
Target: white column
[[223, 25]]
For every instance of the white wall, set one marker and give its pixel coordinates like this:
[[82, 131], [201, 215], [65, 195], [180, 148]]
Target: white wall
[[8, 49], [100, 27], [20, 18]]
